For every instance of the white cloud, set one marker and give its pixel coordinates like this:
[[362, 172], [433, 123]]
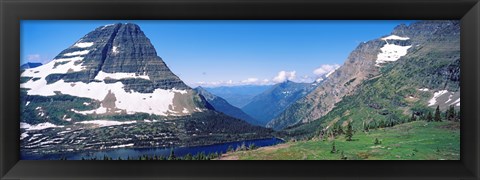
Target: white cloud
[[324, 69], [284, 75], [279, 78], [33, 57], [305, 79], [250, 80]]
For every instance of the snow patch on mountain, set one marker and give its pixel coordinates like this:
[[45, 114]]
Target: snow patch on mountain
[[122, 145], [423, 89], [433, 101], [395, 37], [103, 75], [104, 123], [100, 110], [391, 52], [330, 73], [83, 44], [449, 98], [107, 26], [77, 53], [114, 49], [40, 126], [56, 66], [157, 102], [23, 135], [457, 102]]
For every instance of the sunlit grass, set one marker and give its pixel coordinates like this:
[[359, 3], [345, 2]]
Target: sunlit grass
[[418, 140]]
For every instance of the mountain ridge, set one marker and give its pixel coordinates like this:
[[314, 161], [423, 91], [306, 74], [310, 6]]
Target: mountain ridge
[[378, 56], [274, 100], [223, 106], [414, 85], [110, 89]]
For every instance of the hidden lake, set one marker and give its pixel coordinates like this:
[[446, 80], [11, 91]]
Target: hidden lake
[[124, 153]]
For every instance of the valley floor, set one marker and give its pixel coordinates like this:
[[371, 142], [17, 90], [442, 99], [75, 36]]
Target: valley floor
[[417, 140]]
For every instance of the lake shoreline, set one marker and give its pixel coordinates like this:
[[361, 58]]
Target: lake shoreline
[[116, 152]]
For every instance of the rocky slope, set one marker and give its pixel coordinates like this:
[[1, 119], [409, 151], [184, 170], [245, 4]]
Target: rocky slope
[[112, 80], [402, 71], [221, 105]]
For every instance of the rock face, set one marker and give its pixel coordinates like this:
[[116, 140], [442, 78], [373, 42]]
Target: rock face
[[118, 48], [111, 90], [359, 66], [221, 105], [115, 60], [275, 100], [425, 54]]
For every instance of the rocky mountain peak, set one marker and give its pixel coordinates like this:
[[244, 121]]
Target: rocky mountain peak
[[115, 53], [429, 30], [115, 60]]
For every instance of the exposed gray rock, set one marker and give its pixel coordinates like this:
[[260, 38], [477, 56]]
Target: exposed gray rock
[[121, 48]]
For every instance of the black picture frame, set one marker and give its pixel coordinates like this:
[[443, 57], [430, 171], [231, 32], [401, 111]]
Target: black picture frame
[[12, 11]]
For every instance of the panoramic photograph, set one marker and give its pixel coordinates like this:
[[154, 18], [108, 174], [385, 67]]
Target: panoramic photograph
[[240, 90]]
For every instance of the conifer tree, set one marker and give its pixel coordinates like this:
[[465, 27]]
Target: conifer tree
[[457, 116], [349, 133], [413, 118], [252, 146], [172, 155], [429, 117], [437, 117], [188, 157], [230, 148], [334, 148], [450, 113], [340, 130]]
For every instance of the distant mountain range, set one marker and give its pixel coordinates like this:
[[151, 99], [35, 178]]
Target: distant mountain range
[[221, 105], [276, 99], [238, 96]]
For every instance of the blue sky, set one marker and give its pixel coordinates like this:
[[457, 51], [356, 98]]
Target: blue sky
[[213, 53]]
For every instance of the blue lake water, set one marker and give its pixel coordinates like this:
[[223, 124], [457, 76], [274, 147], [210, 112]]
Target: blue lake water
[[124, 153]]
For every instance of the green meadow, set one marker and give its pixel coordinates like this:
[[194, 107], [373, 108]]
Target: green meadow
[[418, 140]]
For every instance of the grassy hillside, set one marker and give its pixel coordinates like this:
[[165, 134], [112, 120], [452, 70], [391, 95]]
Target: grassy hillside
[[418, 140]]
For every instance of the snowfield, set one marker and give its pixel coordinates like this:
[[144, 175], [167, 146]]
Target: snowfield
[[423, 89], [40, 126], [453, 98], [122, 146], [391, 52], [83, 44], [103, 75], [77, 53], [433, 101], [395, 37], [104, 123], [24, 135], [157, 102], [115, 50]]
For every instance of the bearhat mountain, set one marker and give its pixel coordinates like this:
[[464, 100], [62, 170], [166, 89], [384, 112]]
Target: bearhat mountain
[[113, 76]]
